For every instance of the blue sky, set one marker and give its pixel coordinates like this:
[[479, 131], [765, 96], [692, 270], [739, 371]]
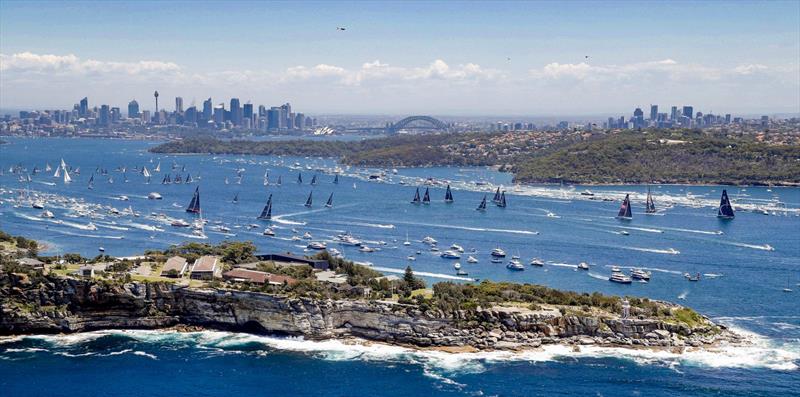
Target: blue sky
[[407, 57]]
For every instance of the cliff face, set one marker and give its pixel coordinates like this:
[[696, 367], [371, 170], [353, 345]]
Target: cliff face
[[69, 305]]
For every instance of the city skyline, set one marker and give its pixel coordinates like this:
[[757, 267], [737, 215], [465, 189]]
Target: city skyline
[[504, 59]]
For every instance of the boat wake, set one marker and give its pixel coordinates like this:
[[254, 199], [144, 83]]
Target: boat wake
[[669, 251], [424, 274], [473, 229], [373, 225]]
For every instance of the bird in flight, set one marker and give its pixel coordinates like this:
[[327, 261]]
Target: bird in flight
[[341, 28]]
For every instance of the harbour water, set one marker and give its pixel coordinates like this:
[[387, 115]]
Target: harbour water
[[745, 264]]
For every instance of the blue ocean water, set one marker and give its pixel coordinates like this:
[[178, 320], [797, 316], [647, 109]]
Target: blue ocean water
[[746, 263]]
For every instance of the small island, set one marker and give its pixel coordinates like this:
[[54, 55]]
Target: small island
[[230, 287], [579, 157]]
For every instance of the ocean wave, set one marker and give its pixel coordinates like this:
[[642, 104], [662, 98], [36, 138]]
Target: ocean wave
[[759, 353]]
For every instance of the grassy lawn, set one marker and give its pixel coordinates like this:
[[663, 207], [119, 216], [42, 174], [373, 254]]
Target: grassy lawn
[[69, 270]]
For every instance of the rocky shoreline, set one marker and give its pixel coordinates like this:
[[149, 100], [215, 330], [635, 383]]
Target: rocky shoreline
[[66, 305]]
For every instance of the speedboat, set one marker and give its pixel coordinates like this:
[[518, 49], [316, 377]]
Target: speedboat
[[316, 245], [411, 258], [364, 248], [154, 196], [47, 214], [583, 266], [269, 232], [615, 269], [38, 205], [429, 240], [334, 252], [620, 278], [179, 223], [498, 252], [515, 265], [639, 274], [456, 247], [450, 254], [461, 272], [496, 260], [587, 193], [471, 259], [537, 262], [457, 266], [124, 198], [296, 238], [624, 233], [91, 226], [689, 277], [307, 236]]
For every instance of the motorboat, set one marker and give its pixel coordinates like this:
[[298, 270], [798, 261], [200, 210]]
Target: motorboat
[[537, 262], [154, 196], [583, 266], [38, 205], [364, 248], [316, 245], [624, 233], [499, 253], [307, 236], [639, 274], [456, 266], [457, 248], [47, 214], [620, 278], [471, 259], [450, 254], [515, 265], [429, 240], [695, 277], [269, 232], [411, 258], [179, 223], [616, 269]]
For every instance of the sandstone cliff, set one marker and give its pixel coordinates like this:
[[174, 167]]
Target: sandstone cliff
[[55, 305]]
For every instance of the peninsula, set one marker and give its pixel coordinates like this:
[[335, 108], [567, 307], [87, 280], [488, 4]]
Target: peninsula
[[71, 294], [626, 157]]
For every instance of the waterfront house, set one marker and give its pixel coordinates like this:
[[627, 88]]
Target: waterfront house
[[206, 267], [86, 271], [31, 263], [176, 266], [256, 277], [288, 259]]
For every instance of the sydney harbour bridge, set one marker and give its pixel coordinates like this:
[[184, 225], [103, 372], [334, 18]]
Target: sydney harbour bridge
[[410, 124]]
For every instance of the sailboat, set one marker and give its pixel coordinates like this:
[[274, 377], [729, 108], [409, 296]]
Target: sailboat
[[279, 180], [177, 179], [266, 213], [57, 173], [625, 209], [336, 179], [329, 204], [47, 167], [67, 179], [91, 182], [158, 167], [496, 198], [314, 180], [194, 205], [416, 199], [502, 202], [146, 173], [482, 205], [299, 177], [236, 198], [426, 199], [308, 201], [650, 207], [227, 181], [725, 210], [188, 178], [165, 180], [448, 195]]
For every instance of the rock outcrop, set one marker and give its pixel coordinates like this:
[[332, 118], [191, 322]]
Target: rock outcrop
[[63, 305]]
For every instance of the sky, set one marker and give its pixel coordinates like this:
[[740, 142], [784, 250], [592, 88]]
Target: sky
[[440, 58]]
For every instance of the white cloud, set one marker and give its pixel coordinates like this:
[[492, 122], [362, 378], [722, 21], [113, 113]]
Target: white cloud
[[663, 69], [27, 62]]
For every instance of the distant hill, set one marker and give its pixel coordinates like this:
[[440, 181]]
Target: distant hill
[[625, 157], [664, 157]]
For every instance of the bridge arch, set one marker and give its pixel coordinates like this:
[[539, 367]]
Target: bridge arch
[[435, 123]]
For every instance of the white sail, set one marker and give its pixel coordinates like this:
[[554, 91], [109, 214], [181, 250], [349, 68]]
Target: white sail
[[58, 173], [67, 179], [146, 173], [63, 164], [158, 167]]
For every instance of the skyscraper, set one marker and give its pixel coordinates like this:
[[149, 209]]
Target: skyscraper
[[638, 118], [178, 104], [653, 112], [247, 111], [236, 112], [274, 118], [688, 111], [674, 113], [207, 109], [84, 107], [105, 115], [133, 109]]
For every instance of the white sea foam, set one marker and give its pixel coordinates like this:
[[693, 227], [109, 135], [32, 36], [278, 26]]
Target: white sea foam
[[670, 251]]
